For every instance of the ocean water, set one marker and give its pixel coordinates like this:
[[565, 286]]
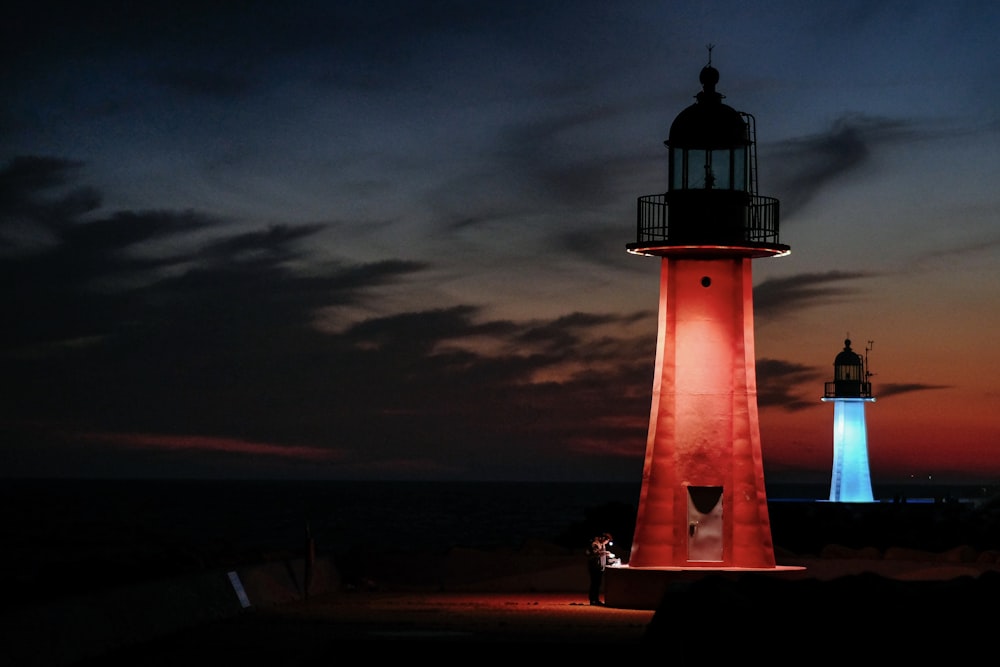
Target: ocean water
[[67, 536], [275, 514]]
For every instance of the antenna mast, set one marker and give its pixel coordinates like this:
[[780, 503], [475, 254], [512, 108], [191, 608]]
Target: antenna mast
[[868, 347]]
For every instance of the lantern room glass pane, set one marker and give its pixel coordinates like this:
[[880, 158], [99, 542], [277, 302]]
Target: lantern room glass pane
[[677, 170], [846, 372], [699, 166], [699, 169], [722, 176], [740, 169]]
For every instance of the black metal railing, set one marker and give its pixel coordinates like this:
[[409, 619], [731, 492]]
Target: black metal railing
[[756, 223], [847, 389]]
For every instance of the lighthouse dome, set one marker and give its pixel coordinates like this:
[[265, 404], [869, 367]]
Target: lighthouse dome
[[708, 123], [847, 356]]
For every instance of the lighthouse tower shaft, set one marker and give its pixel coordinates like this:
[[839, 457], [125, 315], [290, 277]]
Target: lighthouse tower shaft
[[703, 501], [851, 480]]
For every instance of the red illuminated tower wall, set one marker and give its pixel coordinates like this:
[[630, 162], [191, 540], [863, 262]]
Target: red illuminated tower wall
[[703, 501]]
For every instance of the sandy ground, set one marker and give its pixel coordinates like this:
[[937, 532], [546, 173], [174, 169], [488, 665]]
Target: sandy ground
[[318, 631], [913, 610]]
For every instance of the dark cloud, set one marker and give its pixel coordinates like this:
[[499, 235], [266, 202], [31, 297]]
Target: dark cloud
[[779, 295], [949, 254], [24, 181], [546, 159], [897, 388], [782, 383], [811, 164], [602, 246], [201, 81], [212, 341]]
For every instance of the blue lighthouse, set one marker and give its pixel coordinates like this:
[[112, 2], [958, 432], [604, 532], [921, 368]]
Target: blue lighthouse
[[849, 392]]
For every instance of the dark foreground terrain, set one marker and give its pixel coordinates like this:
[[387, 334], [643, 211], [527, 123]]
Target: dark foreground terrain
[[880, 581]]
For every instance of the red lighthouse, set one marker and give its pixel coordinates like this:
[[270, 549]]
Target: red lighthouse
[[703, 503]]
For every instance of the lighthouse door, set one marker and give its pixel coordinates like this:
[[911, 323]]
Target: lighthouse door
[[705, 523]]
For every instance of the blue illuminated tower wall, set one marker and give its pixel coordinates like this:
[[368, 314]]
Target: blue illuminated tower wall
[[849, 392]]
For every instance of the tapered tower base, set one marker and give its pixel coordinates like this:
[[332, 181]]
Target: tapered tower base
[[703, 502], [850, 481]]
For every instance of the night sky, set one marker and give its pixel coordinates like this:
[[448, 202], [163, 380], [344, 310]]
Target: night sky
[[386, 239]]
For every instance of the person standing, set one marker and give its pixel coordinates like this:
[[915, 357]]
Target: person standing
[[597, 560]]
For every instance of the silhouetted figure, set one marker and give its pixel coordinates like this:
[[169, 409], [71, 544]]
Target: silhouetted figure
[[597, 560]]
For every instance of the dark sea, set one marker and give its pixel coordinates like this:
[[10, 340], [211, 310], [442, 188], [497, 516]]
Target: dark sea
[[67, 536]]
